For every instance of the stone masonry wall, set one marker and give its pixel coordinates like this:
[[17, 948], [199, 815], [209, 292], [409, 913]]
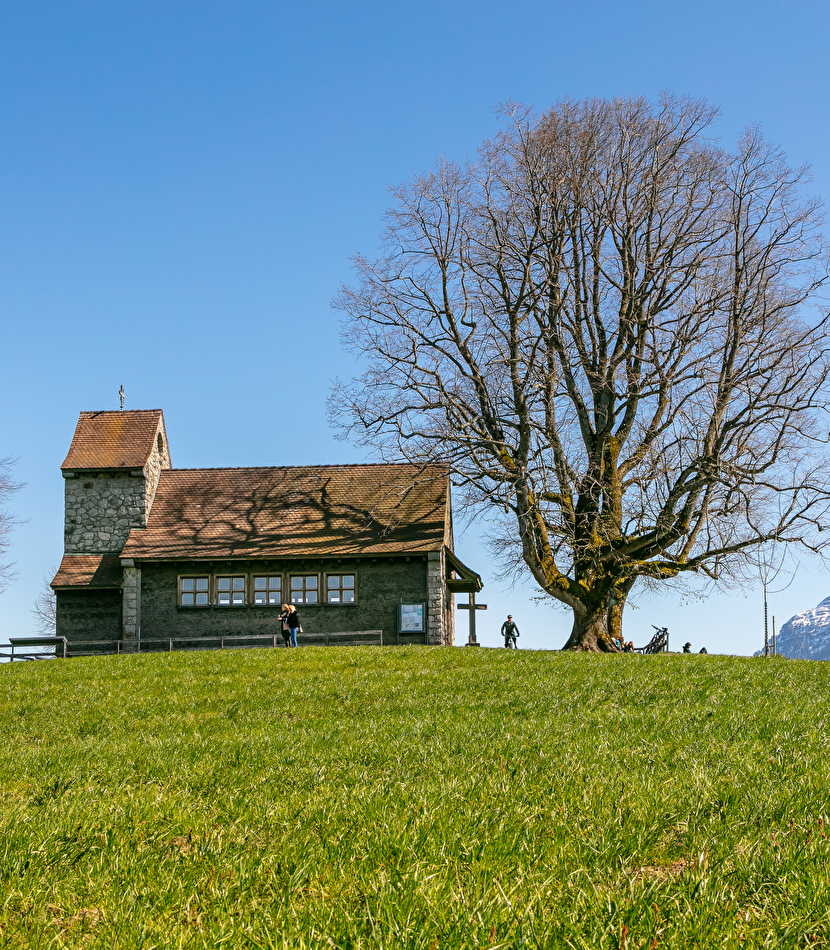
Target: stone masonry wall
[[381, 585], [100, 508], [84, 615], [158, 461], [438, 634], [149, 603], [131, 606], [99, 511]]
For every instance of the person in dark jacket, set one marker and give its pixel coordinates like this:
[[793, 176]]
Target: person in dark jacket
[[285, 630], [510, 632], [294, 624]]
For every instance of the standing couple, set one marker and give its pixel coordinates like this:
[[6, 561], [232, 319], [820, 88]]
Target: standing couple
[[290, 622]]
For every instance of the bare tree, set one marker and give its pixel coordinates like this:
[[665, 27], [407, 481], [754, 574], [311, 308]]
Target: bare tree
[[601, 326], [7, 520], [45, 607]]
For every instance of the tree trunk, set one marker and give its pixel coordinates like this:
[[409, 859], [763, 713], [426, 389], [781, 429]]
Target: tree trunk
[[615, 620], [590, 632], [615, 613]]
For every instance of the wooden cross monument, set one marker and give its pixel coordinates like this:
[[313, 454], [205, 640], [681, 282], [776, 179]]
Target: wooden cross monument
[[472, 607]]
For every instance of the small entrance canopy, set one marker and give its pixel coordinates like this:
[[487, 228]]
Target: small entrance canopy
[[467, 581]]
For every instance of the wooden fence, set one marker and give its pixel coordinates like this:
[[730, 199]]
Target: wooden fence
[[32, 648], [185, 642]]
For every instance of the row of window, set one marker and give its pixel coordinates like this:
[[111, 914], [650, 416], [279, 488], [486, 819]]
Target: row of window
[[237, 590]]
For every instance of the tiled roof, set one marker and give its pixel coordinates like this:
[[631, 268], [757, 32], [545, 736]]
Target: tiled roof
[[89, 570], [118, 439], [289, 512]]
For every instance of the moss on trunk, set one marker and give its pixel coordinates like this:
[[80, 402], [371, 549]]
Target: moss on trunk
[[591, 632]]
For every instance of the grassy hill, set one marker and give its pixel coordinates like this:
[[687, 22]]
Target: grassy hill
[[414, 798]]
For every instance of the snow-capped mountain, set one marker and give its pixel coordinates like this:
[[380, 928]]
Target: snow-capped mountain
[[806, 636]]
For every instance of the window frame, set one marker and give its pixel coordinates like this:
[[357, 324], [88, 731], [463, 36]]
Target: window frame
[[231, 591], [285, 594], [341, 602], [181, 591], [268, 576], [291, 590]]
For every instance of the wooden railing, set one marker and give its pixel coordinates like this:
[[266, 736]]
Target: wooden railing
[[168, 644], [43, 643]]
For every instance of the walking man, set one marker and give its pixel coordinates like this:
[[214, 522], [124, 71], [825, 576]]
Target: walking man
[[510, 632]]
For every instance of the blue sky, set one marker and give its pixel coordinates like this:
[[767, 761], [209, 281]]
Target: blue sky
[[182, 185]]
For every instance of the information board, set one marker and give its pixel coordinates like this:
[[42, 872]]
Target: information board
[[412, 618]]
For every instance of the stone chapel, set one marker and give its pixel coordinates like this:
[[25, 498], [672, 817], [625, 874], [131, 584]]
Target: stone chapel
[[153, 552]]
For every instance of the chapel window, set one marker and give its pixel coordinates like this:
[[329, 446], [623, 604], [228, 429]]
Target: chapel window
[[268, 590], [340, 589], [304, 589], [194, 591], [230, 591]]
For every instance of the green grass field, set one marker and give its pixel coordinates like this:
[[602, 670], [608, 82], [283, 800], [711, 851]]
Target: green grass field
[[414, 798]]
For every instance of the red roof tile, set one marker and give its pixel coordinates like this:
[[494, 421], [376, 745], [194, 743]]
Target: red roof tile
[[331, 510], [108, 440], [89, 570]]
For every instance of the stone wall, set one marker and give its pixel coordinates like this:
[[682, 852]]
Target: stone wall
[[381, 585], [85, 615], [438, 634], [131, 602], [100, 509], [148, 609], [158, 461]]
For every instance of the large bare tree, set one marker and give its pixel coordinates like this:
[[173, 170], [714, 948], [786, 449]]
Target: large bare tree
[[604, 326]]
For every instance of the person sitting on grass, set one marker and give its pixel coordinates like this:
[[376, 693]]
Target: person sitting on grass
[[687, 647]]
